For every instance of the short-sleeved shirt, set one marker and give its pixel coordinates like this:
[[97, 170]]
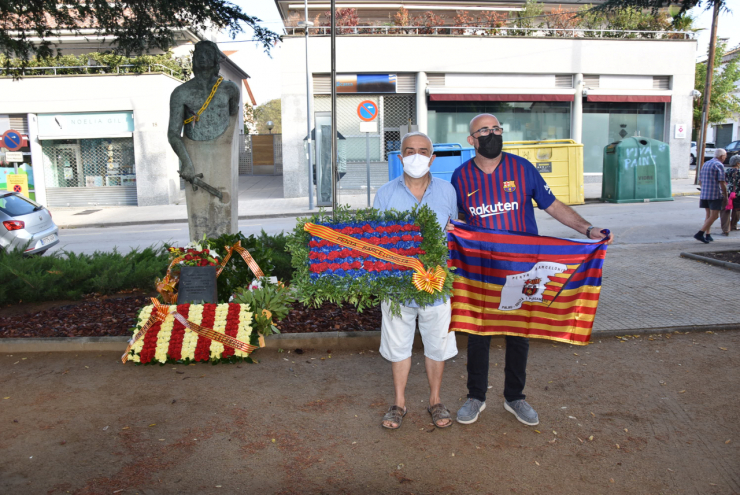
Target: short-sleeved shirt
[[439, 196], [501, 200], [711, 174]]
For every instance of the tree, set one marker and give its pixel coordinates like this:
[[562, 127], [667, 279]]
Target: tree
[[250, 122], [654, 5], [137, 26], [722, 102], [270, 111]]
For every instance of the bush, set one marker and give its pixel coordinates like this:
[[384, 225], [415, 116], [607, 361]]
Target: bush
[[269, 304], [67, 275]]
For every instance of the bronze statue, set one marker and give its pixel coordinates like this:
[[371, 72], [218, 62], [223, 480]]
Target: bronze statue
[[207, 106]]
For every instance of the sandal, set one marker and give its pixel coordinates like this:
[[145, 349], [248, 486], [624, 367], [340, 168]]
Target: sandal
[[440, 412], [395, 414]]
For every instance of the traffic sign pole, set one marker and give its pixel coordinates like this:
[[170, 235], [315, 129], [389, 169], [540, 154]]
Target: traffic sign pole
[[367, 165], [367, 111]]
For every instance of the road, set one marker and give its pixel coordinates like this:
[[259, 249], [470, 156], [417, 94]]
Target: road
[[141, 236], [632, 223]]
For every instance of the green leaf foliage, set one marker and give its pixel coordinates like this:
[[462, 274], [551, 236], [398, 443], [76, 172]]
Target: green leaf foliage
[[269, 304], [137, 26], [96, 63], [723, 103], [365, 291], [67, 275], [237, 274]]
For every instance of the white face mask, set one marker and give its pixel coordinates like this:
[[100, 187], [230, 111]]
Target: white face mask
[[416, 166]]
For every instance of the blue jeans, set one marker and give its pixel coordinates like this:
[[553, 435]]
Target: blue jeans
[[515, 370]]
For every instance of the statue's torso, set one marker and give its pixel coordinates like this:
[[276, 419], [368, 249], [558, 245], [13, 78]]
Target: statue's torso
[[214, 120]]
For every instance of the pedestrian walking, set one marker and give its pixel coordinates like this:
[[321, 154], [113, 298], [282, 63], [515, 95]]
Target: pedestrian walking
[[495, 191], [713, 196], [729, 215]]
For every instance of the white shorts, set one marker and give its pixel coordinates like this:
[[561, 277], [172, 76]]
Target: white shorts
[[397, 333]]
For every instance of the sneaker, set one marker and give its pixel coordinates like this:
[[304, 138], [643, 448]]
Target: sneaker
[[699, 236], [470, 411], [523, 412], [709, 238]]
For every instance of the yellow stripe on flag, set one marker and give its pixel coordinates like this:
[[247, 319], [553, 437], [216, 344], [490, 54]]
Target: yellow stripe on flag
[[481, 322], [526, 313]]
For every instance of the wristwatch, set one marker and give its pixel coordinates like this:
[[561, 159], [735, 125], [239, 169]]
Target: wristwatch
[[588, 232]]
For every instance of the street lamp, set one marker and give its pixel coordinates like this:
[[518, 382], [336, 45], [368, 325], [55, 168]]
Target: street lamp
[[270, 125]]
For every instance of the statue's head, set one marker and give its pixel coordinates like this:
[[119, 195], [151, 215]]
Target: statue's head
[[206, 56]]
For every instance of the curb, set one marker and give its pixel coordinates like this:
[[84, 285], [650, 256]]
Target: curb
[[320, 340], [712, 261], [697, 193]]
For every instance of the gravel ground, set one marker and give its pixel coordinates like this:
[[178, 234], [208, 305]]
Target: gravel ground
[[654, 414]]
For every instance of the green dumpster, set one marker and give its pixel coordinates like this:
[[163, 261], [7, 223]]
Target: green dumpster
[[636, 169]]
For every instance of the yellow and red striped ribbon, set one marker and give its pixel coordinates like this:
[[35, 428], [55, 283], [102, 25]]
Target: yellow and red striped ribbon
[[166, 287], [245, 256], [428, 281]]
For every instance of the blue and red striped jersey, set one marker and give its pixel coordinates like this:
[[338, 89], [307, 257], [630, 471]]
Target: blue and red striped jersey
[[501, 200]]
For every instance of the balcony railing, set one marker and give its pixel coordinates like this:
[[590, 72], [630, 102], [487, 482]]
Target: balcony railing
[[539, 32], [83, 69]]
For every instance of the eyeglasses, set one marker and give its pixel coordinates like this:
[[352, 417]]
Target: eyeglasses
[[485, 131]]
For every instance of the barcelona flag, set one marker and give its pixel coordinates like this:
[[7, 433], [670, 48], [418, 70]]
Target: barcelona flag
[[510, 283]]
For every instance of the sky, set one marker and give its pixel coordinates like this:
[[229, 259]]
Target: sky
[[264, 70]]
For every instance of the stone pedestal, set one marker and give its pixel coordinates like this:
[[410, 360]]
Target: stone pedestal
[[206, 213]]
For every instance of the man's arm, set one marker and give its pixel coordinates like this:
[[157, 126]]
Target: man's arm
[[174, 129], [568, 217]]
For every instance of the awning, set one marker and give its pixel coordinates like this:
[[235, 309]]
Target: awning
[[629, 98], [89, 136], [500, 97]]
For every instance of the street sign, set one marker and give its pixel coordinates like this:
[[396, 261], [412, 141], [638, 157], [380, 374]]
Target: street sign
[[681, 131], [369, 127], [14, 156], [17, 183], [12, 140], [367, 110]]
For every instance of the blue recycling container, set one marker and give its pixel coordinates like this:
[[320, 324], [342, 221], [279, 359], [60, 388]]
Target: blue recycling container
[[449, 156]]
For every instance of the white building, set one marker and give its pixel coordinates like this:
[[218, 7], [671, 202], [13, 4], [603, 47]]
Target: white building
[[570, 85], [728, 131], [99, 138]]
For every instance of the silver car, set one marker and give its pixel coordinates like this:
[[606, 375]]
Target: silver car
[[25, 224]]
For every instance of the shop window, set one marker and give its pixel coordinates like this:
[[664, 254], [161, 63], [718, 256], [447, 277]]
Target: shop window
[[609, 122], [89, 162], [522, 121]]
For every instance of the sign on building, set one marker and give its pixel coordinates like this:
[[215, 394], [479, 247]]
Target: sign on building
[[366, 83]]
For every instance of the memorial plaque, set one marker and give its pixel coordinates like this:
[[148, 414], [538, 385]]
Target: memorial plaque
[[544, 167], [197, 285]]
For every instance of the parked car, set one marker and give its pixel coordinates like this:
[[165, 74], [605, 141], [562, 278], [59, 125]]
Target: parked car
[[708, 152], [732, 149], [25, 224]]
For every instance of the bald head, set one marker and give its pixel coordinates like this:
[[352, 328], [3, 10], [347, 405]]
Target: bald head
[[483, 120]]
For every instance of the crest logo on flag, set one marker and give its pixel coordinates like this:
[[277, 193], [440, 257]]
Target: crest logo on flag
[[531, 286], [509, 186], [528, 286]]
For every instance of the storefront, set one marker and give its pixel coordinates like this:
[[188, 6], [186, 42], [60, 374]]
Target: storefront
[[88, 158], [19, 123]]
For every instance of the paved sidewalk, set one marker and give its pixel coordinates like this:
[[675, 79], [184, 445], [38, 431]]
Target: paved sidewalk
[[259, 197]]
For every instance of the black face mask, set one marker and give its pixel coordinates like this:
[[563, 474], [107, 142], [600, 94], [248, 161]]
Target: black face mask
[[490, 146]]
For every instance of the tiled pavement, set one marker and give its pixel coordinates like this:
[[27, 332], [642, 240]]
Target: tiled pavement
[[651, 286]]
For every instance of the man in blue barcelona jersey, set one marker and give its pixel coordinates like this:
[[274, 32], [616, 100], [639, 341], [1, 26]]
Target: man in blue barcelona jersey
[[495, 191]]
